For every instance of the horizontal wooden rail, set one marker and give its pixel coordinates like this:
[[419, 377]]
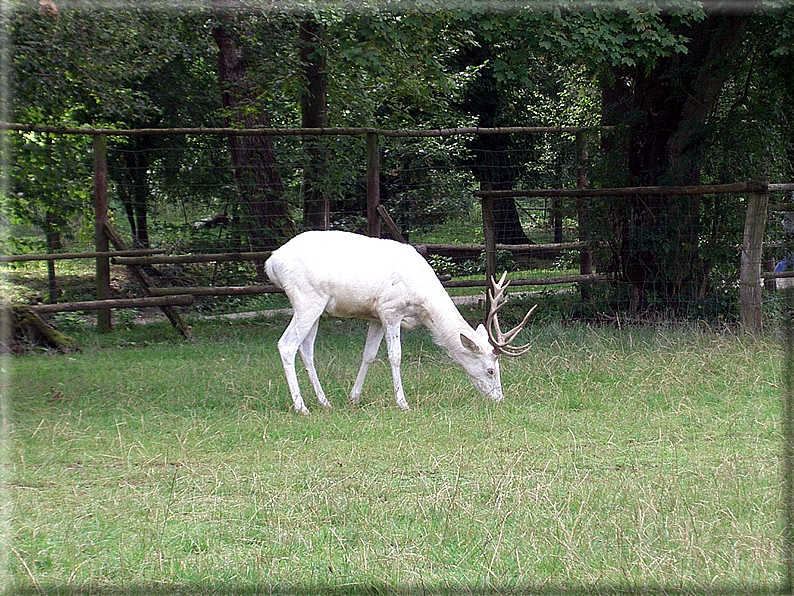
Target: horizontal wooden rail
[[339, 131], [780, 275], [198, 258], [155, 257], [707, 189], [271, 289], [216, 291], [77, 255], [442, 249], [449, 249], [183, 299], [541, 281]]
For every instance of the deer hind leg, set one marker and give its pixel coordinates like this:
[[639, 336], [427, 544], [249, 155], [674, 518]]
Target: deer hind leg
[[298, 330], [374, 337], [392, 332], [306, 351]]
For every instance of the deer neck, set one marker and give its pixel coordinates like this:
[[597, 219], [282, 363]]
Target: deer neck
[[444, 321]]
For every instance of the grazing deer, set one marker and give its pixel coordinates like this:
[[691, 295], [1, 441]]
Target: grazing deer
[[392, 286]]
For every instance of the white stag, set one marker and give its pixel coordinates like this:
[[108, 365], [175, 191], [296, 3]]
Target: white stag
[[391, 285]]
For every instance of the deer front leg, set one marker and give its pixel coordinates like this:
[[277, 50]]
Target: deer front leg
[[288, 348], [297, 331], [307, 355], [392, 332], [374, 337]]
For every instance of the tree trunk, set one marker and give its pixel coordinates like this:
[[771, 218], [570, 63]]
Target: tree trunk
[[25, 330], [495, 161], [314, 114], [53, 237], [508, 224], [493, 173], [133, 184], [137, 163], [659, 240], [259, 187]]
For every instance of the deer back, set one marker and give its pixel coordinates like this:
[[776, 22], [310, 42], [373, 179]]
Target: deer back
[[354, 275]]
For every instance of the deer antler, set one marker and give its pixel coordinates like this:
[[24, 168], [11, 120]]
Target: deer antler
[[502, 341]]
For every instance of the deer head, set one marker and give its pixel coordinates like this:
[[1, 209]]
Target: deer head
[[502, 342]]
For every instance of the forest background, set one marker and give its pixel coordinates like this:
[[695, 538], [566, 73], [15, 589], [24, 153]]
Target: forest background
[[695, 92]]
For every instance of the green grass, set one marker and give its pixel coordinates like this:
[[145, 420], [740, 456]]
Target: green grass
[[631, 460]]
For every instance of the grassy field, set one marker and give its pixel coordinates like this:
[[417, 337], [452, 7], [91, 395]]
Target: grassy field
[[633, 460]]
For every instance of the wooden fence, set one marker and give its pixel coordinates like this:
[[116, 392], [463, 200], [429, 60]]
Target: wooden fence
[[751, 277]]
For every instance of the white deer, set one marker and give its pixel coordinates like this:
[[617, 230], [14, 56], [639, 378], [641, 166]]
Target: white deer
[[391, 285]]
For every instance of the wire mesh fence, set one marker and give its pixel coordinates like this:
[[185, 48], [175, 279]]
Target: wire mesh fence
[[188, 193]]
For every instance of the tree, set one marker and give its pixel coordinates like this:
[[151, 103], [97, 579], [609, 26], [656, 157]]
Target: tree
[[256, 174], [49, 190], [180, 92], [667, 110], [517, 74], [314, 114], [122, 67], [494, 161], [683, 85], [389, 69]]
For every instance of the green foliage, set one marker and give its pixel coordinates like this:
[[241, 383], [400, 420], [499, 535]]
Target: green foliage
[[443, 265], [420, 184], [99, 59], [388, 69], [751, 131], [421, 65], [70, 321], [120, 67], [49, 183], [471, 267]]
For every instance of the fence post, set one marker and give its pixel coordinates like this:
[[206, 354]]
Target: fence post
[[582, 213], [373, 185], [100, 220], [750, 313], [489, 234]]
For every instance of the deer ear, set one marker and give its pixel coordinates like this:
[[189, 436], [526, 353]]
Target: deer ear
[[469, 344]]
